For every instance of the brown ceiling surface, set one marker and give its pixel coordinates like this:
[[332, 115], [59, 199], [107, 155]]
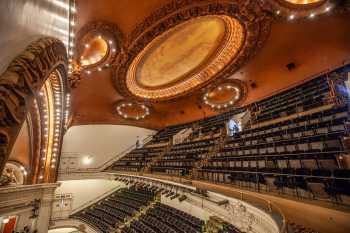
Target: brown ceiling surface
[[314, 45]]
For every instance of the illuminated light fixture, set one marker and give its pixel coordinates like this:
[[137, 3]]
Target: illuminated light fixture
[[73, 9], [25, 173], [71, 52], [5, 220], [41, 177], [114, 50], [53, 166], [99, 69], [110, 42], [278, 12], [87, 45], [141, 113], [72, 23], [99, 37], [88, 72], [328, 8], [312, 15], [72, 34], [87, 160], [291, 17]]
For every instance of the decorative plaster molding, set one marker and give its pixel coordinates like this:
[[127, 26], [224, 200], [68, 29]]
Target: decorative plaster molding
[[24, 77], [250, 14]]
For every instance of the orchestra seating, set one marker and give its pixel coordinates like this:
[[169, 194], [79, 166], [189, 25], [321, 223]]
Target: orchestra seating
[[163, 218], [113, 210], [292, 144]]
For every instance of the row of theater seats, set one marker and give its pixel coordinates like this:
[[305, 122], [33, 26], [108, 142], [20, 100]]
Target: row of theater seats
[[114, 210], [162, 218], [294, 141], [298, 99], [137, 159], [181, 157]]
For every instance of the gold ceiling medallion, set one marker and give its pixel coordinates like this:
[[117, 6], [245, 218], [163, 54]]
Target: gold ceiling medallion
[[97, 44], [227, 94], [131, 110], [185, 45]]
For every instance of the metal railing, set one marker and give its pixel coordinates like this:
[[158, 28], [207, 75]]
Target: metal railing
[[265, 205], [103, 166]]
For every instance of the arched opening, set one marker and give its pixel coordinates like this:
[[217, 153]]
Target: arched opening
[[35, 98]]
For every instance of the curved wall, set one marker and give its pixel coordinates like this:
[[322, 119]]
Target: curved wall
[[99, 142], [21, 151]]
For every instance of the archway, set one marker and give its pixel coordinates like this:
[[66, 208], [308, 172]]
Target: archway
[[35, 87]]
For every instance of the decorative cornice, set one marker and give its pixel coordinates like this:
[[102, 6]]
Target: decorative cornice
[[23, 78], [255, 20]]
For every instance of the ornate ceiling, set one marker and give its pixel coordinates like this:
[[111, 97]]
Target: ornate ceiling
[[180, 60]]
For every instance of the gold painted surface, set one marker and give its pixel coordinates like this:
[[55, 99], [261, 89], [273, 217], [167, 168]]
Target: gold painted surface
[[303, 2], [224, 54], [221, 95], [95, 51], [180, 51]]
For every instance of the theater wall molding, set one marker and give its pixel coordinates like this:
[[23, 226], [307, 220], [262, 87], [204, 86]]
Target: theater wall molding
[[35, 84]]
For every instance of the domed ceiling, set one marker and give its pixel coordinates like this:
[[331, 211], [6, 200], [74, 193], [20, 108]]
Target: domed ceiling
[[185, 57], [167, 55]]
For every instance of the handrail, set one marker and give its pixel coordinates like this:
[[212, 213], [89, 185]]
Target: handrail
[[109, 161], [258, 202]]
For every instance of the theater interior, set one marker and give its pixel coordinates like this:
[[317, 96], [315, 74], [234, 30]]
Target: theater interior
[[174, 116]]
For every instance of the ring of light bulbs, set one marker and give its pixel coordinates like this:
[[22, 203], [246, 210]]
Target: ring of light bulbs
[[104, 63], [60, 105], [120, 108], [229, 103], [293, 12]]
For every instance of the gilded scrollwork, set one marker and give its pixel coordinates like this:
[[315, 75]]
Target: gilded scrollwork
[[22, 79], [251, 14]]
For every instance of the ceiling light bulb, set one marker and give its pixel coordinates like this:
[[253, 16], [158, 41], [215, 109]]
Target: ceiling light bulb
[[291, 17], [328, 8], [312, 15]]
